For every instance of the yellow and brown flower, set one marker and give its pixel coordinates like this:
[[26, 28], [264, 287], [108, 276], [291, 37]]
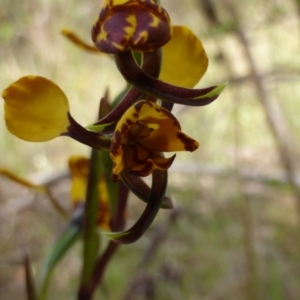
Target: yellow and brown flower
[[142, 134], [140, 25]]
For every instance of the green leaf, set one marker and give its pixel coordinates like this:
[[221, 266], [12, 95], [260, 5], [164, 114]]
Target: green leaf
[[215, 92], [276, 289], [63, 244], [112, 187], [90, 235], [100, 127]]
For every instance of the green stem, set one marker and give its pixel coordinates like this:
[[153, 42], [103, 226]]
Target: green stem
[[90, 236]]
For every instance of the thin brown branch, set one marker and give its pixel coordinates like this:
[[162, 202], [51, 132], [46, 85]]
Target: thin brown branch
[[274, 117]]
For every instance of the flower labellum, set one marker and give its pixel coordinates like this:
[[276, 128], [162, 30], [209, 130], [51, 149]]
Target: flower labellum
[[142, 134]]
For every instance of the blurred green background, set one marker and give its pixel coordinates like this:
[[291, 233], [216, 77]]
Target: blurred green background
[[235, 231]]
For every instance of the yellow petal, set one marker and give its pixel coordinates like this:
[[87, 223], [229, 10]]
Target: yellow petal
[[166, 135], [73, 38], [150, 113], [130, 117], [184, 59], [169, 139], [36, 109], [111, 3], [79, 167]]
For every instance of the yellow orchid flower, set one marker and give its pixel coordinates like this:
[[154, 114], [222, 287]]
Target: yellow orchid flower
[[142, 134], [162, 63], [79, 168]]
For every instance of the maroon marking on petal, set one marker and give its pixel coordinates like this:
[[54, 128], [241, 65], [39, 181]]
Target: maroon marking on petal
[[135, 154], [116, 143], [114, 149], [124, 129], [150, 104], [171, 116], [156, 36], [114, 26], [115, 177], [145, 171], [129, 122], [138, 106], [147, 167], [189, 144], [118, 136]]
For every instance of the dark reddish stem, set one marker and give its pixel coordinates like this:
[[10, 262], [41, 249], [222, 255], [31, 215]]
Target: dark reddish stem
[[117, 224], [84, 136], [164, 91], [150, 65]]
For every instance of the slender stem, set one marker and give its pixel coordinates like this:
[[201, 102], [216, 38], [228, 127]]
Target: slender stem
[[150, 65], [274, 117], [164, 91], [59, 208], [117, 223], [91, 246], [84, 136], [158, 190], [30, 284]]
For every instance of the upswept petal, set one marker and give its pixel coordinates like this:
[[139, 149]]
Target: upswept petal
[[76, 40], [36, 109], [184, 59]]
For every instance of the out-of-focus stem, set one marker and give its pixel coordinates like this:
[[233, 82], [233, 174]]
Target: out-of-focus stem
[[275, 119], [90, 236]]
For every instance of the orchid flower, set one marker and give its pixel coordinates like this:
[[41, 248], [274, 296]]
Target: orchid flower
[[144, 131], [161, 63]]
